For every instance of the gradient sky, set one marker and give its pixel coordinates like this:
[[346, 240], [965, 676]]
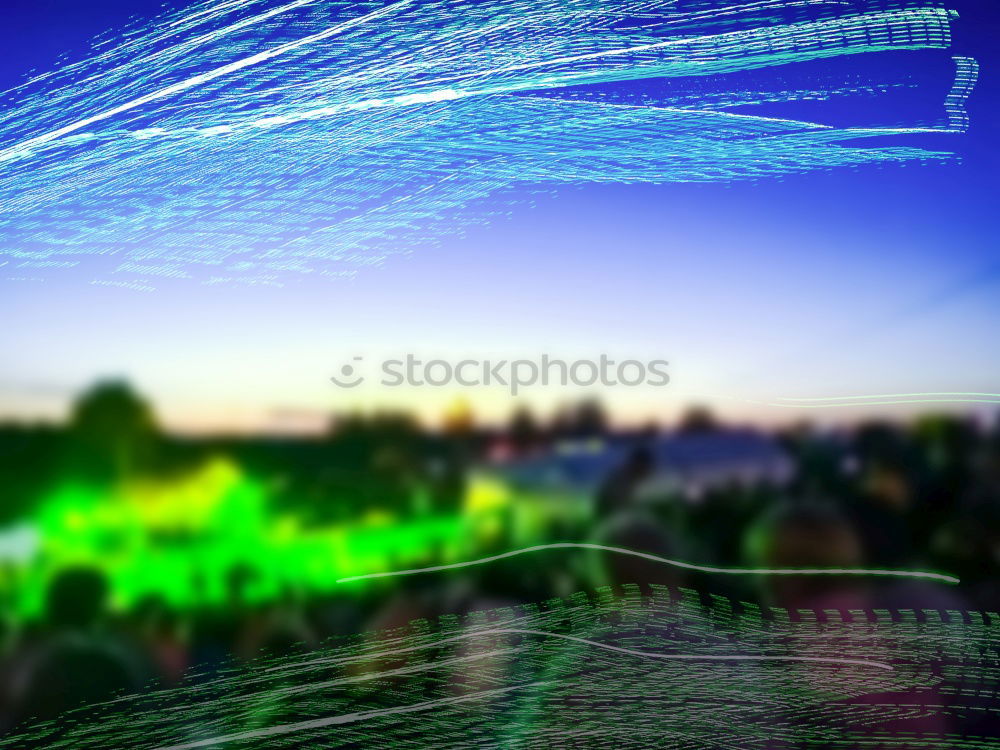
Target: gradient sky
[[829, 284]]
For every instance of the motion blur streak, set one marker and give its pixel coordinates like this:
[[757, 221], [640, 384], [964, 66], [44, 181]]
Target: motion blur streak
[[665, 561], [573, 682], [258, 141]]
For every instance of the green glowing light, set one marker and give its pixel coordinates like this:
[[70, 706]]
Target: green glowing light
[[184, 539]]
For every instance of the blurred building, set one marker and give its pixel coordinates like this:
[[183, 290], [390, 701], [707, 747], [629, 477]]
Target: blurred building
[[687, 464]]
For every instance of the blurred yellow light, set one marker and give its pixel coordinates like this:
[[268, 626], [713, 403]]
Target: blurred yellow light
[[485, 494]]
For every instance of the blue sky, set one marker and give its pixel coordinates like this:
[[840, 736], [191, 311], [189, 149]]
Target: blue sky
[[850, 282]]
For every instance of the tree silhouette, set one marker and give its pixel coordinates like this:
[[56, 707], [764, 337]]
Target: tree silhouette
[[113, 432]]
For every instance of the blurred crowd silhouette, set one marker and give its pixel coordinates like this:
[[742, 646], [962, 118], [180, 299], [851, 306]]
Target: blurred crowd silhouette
[[924, 495]]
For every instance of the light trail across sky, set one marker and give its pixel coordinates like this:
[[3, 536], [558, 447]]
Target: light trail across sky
[[259, 140]]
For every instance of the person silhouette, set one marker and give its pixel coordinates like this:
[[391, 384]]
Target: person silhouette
[[76, 664]]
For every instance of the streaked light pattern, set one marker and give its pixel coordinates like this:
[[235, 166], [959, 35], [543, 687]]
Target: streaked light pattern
[[664, 561], [257, 140], [623, 668]]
